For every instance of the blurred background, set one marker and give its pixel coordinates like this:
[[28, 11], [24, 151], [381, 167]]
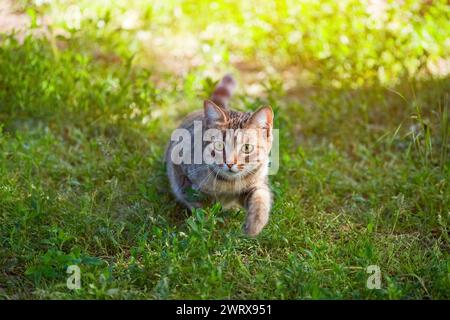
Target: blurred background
[[336, 43], [90, 91]]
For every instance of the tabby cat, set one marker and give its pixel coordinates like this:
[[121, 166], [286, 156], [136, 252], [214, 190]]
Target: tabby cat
[[239, 173]]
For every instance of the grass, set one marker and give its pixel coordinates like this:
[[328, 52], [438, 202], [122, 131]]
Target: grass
[[363, 180]]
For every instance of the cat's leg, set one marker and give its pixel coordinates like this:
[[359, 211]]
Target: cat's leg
[[181, 185], [258, 203], [228, 202]]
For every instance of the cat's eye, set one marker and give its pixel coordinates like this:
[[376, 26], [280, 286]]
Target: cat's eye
[[247, 148], [218, 145]]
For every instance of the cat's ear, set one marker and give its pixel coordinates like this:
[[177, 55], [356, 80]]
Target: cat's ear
[[213, 113], [261, 119]]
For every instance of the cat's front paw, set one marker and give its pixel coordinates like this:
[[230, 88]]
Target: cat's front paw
[[255, 223]]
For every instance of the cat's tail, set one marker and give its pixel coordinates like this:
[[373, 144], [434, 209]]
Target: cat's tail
[[223, 92]]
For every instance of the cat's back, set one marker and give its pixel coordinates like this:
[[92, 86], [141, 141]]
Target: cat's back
[[188, 121], [188, 124]]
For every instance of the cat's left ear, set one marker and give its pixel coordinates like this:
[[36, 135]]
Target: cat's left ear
[[261, 119], [213, 113]]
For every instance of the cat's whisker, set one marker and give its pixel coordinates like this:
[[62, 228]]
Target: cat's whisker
[[205, 179], [215, 184]]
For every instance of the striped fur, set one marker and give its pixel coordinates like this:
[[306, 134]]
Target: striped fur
[[223, 92], [233, 184]]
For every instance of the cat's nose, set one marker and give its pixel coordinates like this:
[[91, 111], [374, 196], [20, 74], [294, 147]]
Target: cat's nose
[[232, 167]]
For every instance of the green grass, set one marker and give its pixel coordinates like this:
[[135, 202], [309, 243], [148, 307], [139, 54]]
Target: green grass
[[363, 180]]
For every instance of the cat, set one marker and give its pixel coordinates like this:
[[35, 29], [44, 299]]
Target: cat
[[239, 175]]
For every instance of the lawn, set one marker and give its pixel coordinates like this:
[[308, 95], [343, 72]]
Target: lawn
[[90, 93]]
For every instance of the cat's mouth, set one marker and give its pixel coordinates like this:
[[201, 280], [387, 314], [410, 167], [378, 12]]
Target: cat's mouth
[[227, 172]]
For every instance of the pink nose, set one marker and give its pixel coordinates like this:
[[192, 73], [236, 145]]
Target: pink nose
[[229, 165]]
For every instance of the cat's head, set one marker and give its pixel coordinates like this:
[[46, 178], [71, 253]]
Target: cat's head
[[241, 141]]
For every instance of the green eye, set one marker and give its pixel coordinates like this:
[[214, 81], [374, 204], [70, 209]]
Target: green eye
[[247, 148], [218, 145]]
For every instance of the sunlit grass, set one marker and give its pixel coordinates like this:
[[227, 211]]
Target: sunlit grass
[[89, 100]]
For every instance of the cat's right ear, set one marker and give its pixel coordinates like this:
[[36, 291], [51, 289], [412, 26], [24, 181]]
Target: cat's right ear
[[213, 113]]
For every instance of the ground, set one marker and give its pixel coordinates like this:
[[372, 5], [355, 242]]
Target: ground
[[89, 96]]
